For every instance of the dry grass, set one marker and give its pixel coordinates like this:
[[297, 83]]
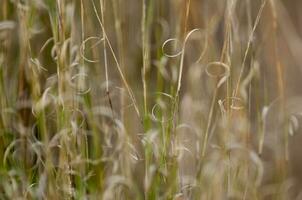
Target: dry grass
[[151, 99]]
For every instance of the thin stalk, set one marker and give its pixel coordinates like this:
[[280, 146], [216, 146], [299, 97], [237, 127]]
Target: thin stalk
[[120, 42], [129, 90], [250, 40], [145, 55]]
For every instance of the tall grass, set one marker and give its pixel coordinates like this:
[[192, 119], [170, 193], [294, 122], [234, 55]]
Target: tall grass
[[151, 99]]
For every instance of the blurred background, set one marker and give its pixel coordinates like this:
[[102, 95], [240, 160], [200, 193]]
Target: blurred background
[[150, 99]]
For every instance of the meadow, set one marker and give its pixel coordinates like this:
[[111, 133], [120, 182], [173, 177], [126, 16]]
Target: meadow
[[150, 99]]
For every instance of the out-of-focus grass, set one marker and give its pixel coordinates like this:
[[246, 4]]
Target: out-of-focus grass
[[151, 99]]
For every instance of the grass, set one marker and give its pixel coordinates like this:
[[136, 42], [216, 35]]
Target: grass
[[149, 99]]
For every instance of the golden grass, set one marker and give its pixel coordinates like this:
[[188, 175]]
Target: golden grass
[[151, 99]]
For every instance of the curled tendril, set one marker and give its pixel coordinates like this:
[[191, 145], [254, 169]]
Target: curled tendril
[[191, 130], [159, 106], [54, 52], [174, 40], [83, 46], [45, 44], [254, 70], [234, 103], [171, 40], [203, 52], [33, 148], [80, 89], [182, 59], [224, 76], [8, 149], [43, 102]]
